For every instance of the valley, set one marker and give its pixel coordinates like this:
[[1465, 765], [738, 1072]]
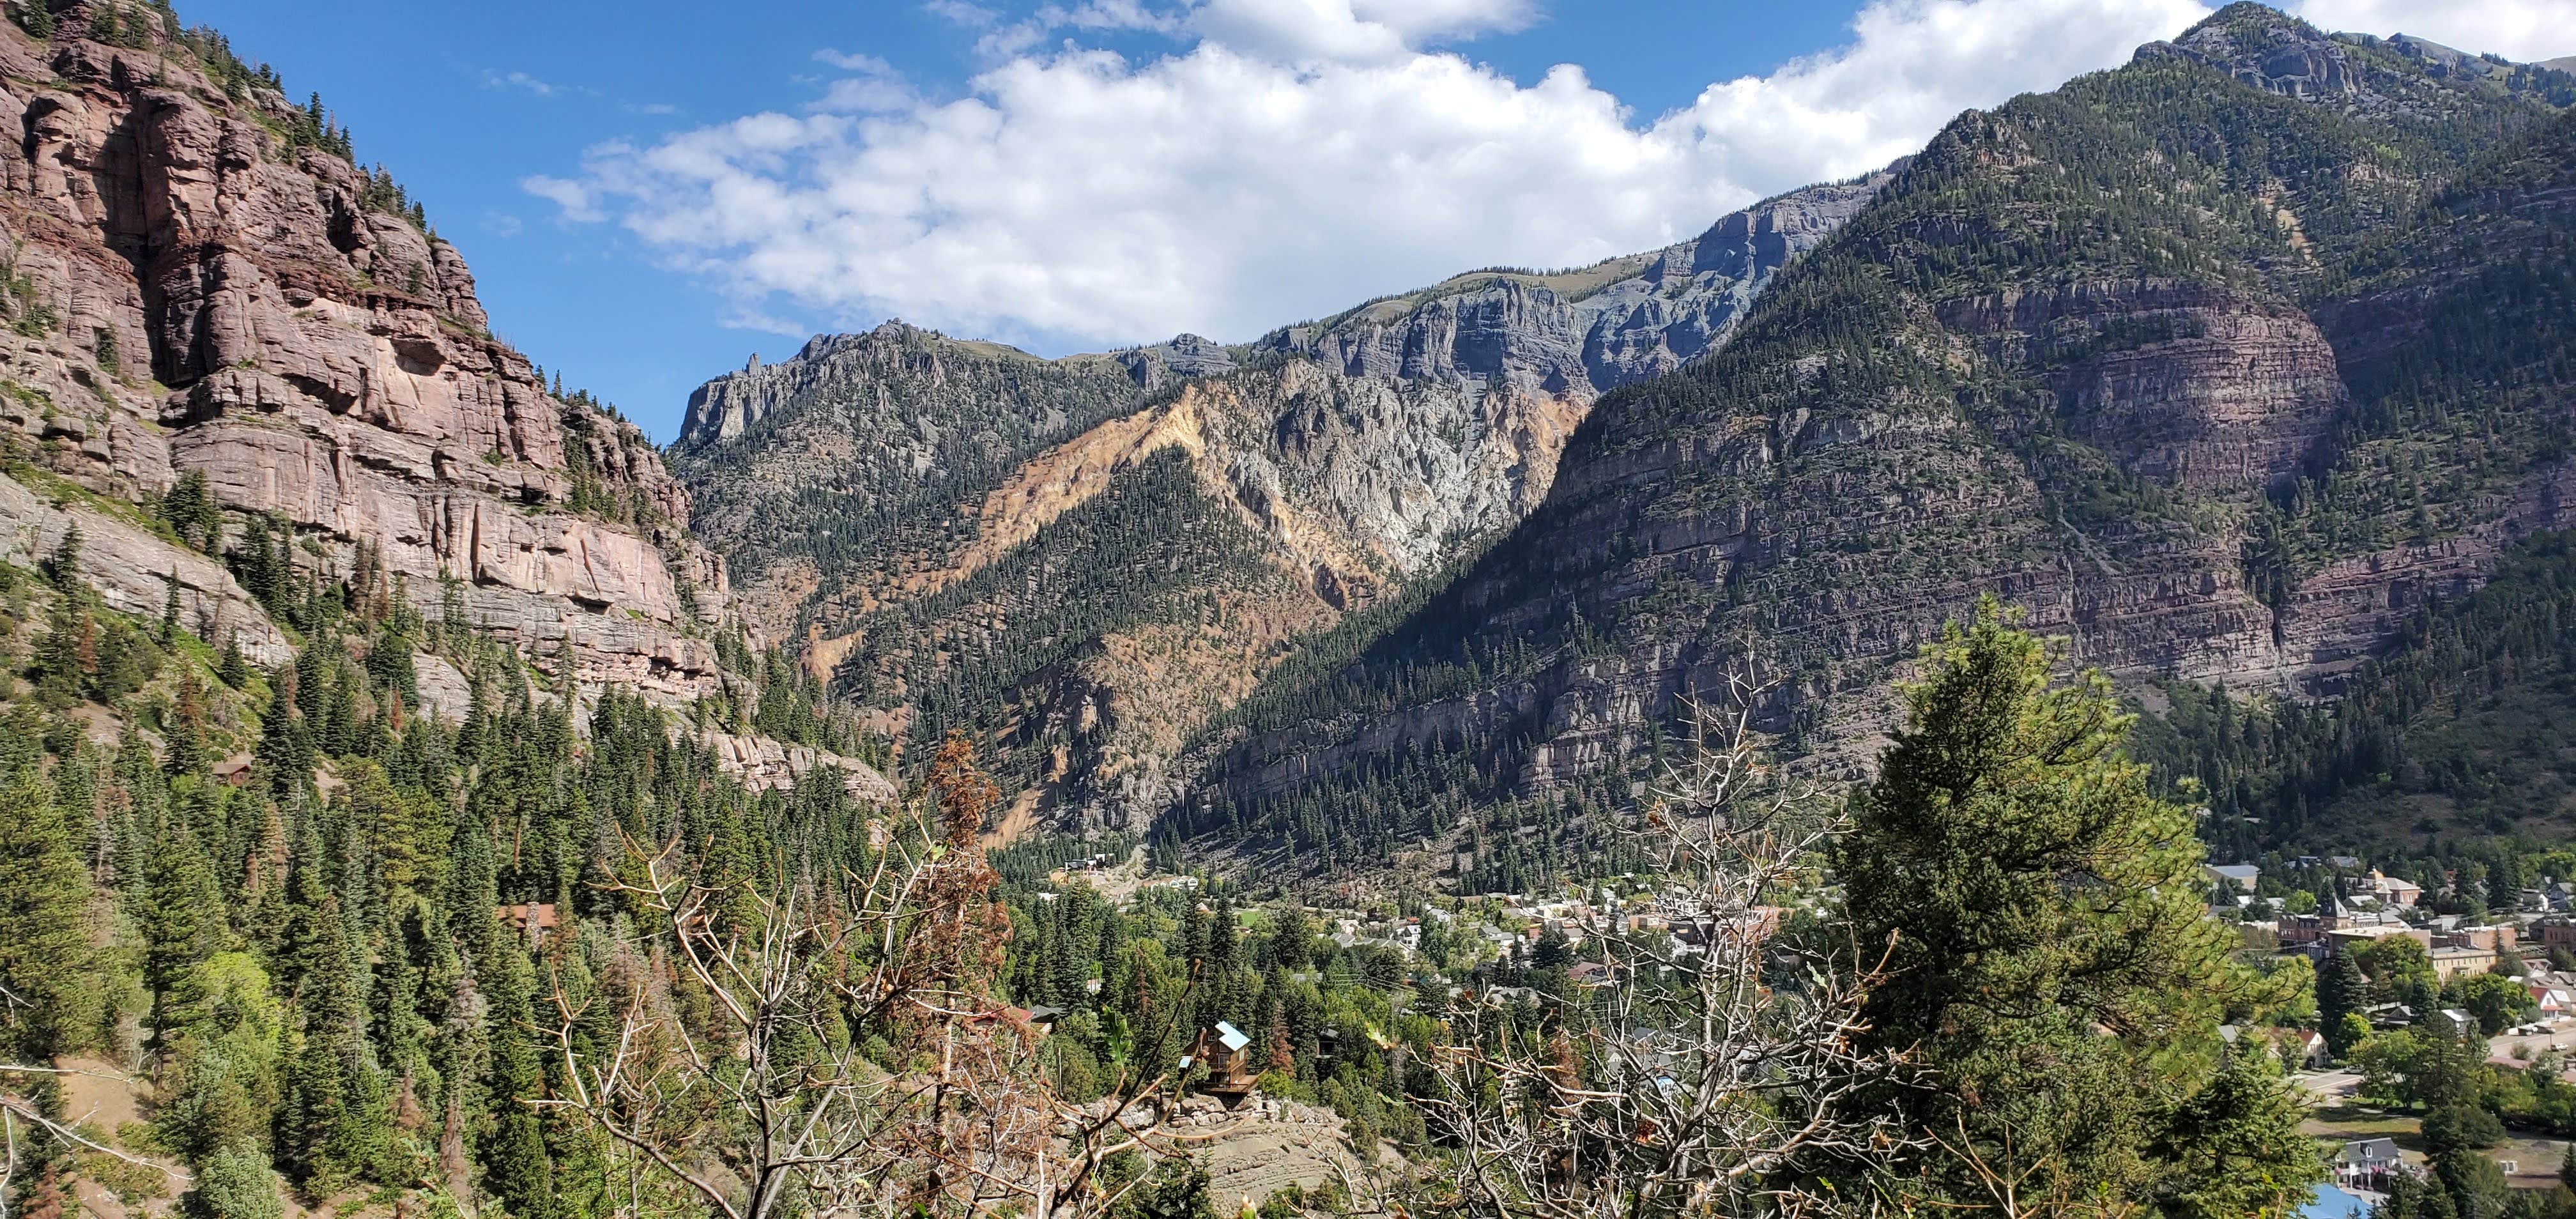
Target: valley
[[2031, 680]]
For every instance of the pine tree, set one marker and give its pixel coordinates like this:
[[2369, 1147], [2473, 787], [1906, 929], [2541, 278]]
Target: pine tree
[[389, 665], [231, 669], [67, 656], [332, 1126], [2235, 1147], [234, 1183], [36, 17], [47, 964], [2341, 991], [182, 920], [62, 567], [285, 743], [184, 730], [2001, 787], [340, 729], [511, 1145], [190, 509]]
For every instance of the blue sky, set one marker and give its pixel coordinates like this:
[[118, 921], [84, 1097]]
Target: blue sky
[[649, 191]]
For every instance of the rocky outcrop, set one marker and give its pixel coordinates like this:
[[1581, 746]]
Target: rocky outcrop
[[135, 570], [2399, 77], [763, 765], [1587, 331], [2186, 384], [197, 288]]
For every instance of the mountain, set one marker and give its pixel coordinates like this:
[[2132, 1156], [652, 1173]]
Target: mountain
[[212, 304], [1088, 558], [2222, 364]]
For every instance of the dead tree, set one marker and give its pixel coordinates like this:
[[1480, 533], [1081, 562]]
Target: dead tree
[[26, 1128], [1701, 1066], [836, 1049]]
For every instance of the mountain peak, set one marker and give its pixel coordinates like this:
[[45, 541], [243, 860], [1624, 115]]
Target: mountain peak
[[2266, 48]]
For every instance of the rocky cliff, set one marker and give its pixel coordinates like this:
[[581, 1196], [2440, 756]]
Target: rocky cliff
[[201, 279], [230, 348], [2220, 365], [866, 487]]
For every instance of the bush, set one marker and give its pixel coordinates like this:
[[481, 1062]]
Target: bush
[[235, 1183], [1284, 1086]]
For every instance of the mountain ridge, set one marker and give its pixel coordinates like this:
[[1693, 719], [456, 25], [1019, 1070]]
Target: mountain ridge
[[2072, 356], [1365, 449]]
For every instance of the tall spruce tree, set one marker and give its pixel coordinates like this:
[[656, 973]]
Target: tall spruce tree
[[47, 965], [2341, 991], [182, 922], [2042, 915], [285, 738]]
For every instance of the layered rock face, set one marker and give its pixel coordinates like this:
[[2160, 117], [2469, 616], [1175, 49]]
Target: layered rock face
[[195, 288], [863, 485], [2185, 384], [2179, 408]]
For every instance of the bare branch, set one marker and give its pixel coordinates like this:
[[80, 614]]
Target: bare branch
[[1710, 1062]]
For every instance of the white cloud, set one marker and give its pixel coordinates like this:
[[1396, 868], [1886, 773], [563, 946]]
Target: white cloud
[[1301, 155], [854, 61], [962, 13], [517, 80], [1307, 31], [872, 85], [1299, 30], [574, 198]]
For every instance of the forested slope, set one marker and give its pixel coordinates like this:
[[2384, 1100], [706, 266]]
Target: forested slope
[[2462, 732], [2220, 364]]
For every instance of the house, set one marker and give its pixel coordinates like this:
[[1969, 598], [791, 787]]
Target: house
[[2301, 1049], [2457, 951], [2388, 890], [2240, 875], [1692, 935], [2366, 1163], [2343, 863], [2552, 1000], [2386, 1016], [2458, 960], [1221, 1049], [2454, 1021], [2312, 930], [535, 920], [2496, 938]]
